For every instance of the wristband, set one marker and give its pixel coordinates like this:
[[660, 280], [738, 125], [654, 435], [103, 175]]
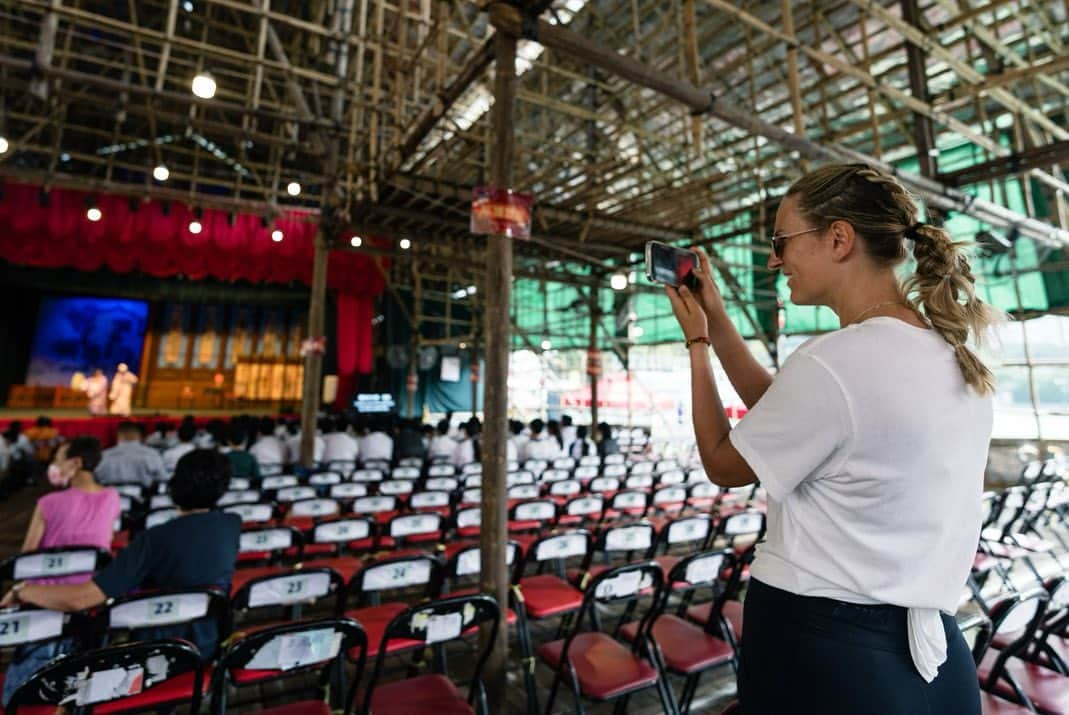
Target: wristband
[[699, 339]]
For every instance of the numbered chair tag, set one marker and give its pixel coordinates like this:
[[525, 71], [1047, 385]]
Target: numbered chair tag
[[626, 584], [279, 482], [324, 478], [293, 650], [289, 589], [399, 575], [561, 547], [252, 513], [25, 626], [444, 627], [628, 539], [335, 531], [237, 497], [56, 564], [268, 540], [160, 610], [704, 570]]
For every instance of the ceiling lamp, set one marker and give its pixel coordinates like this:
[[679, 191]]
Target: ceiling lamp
[[276, 235], [355, 242], [293, 188], [204, 86], [161, 173], [618, 281]]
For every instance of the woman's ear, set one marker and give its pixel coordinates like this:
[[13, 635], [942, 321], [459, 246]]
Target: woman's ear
[[843, 240]]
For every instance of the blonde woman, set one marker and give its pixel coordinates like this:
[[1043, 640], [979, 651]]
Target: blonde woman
[[871, 442]]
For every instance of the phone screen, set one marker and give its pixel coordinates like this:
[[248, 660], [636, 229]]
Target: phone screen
[[668, 265]]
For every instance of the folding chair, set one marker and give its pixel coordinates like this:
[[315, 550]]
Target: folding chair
[[263, 545], [467, 522], [436, 501], [328, 541], [626, 504], [441, 484], [283, 651], [681, 647], [417, 575], [691, 531], [596, 665], [543, 595], [305, 513], [561, 491], [582, 510], [419, 528], [256, 513], [364, 476], [325, 479], [631, 542], [1051, 645], [1003, 672], [27, 625], [239, 496], [151, 675], [381, 507], [434, 624], [605, 485], [532, 515], [158, 614]]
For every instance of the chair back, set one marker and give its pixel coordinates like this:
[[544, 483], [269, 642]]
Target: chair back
[[413, 571], [53, 563]]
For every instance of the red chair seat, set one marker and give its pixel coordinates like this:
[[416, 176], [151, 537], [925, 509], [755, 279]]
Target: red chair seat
[[243, 576], [604, 667], [546, 595], [575, 575], [526, 525], [305, 707], [686, 647], [732, 612], [1048, 690], [449, 550], [468, 531], [432, 693], [525, 541], [316, 550], [253, 556], [994, 705], [174, 689], [374, 619], [388, 542], [667, 562]]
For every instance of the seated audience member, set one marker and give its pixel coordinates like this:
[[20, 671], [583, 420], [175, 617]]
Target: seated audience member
[[196, 549], [442, 445], [162, 437], [242, 464], [467, 449], [518, 439], [44, 438], [606, 443], [129, 461], [568, 433], [541, 445], [377, 445], [293, 444], [81, 513], [409, 444], [583, 446], [554, 434], [268, 449], [187, 432], [338, 444], [213, 436]]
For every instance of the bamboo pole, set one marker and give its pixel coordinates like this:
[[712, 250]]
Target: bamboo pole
[[593, 374], [493, 540]]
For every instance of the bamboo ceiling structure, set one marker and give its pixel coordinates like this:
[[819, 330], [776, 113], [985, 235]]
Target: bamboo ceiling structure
[[95, 94]]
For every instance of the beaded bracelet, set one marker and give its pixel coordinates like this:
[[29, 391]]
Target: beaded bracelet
[[699, 339]]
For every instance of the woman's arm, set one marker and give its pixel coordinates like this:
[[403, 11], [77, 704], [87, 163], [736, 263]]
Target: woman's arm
[[723, 464], [749, 378], [57, 597], [35, 531]]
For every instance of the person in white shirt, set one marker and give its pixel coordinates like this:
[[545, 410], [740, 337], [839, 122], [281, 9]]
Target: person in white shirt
[[377, 445], [541, 445], [582, 446], [292, 444], [871, 443], [338, 444], [467, 451], [567, 433], [518, 440], [187, 432], [268, 449], [129, 461], [442, 445]]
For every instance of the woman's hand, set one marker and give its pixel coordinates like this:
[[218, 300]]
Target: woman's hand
[[688, 312], [708, 294], [11, 598]]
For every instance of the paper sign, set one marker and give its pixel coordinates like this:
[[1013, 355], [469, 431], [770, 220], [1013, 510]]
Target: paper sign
[[279, 482], [295, 493], [561, 547], [405, 473], [469, 517], [625, 584], [523, 491], [414, 524], [367, 475], [25, 626], [314, 507], [687, 530], [106, 685], [324, 478], [347, 530], [441, 484], [372, 505], [704, 570], [251, 513], [670, 495], [628, 538], [441, 470], [161, 501], [238, 497], [396, 486], [59, 563], [424, 500], [742, 524], [586, 505], [349, 490], [671, 477], [397, 575], [535, 511], [159, 610], [444, 627], [266, 540], [501, 211], [566, 488], [293, 650], [289, 589], [238, 484]]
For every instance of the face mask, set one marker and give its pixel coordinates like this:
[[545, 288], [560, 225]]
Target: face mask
[[56, 477]]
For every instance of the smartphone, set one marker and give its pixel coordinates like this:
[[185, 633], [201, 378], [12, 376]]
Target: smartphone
[[671, 266]]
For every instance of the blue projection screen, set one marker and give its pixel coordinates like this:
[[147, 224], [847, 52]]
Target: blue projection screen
[[79, 334]]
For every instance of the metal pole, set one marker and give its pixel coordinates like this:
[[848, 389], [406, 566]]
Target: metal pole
[[493, 538]]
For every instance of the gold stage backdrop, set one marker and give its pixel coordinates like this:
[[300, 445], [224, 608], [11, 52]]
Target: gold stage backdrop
[[221, 356]]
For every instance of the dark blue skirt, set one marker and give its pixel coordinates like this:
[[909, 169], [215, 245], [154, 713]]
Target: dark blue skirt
[[803, 654]]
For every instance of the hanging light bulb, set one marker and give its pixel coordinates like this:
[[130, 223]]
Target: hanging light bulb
[[618, 281], [355, 242], [276, 235], [93, 214], [4, 146], [405, 244], [161, 173], [195, 227], [204, 86], [293, 188]]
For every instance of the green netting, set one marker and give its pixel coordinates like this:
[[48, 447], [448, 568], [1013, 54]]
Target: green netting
[[1041, 280]]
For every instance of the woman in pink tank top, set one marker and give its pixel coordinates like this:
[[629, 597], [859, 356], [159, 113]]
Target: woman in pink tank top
[[81, 514]]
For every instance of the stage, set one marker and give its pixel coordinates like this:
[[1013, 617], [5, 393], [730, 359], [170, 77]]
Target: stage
[[72, 423]]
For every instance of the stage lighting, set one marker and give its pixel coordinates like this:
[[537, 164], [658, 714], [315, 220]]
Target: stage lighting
[[355, 242], [195, 227], [93, 214], [405, 244], [161, 173], [204, 86], [276, 235], [618, 281], [4, 146], [293, 188]]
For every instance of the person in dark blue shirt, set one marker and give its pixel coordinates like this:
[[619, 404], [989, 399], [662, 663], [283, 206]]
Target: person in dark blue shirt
[[198, 548]]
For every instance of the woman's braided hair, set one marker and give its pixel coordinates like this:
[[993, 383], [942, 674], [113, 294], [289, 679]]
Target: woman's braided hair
[[883, 213]]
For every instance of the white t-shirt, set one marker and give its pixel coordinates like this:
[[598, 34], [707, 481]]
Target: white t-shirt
[[268, 450], [377, 445], [293, 448], [872, 450], [441, 446], [340, 446], [542, 447], [464, 453]]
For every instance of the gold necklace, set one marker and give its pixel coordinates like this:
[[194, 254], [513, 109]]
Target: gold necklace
[[871, 308]]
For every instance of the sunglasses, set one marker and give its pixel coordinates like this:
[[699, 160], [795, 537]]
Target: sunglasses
[[778, 242]]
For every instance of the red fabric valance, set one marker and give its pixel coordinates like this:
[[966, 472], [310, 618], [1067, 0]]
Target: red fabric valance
[[160, 244]]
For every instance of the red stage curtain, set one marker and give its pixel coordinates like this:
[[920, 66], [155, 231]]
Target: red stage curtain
[[159, 244]]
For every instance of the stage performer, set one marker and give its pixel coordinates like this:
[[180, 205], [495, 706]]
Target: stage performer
[[122, 390], [96, 386]]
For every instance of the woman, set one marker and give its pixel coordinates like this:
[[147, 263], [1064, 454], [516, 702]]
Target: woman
[[871, 443], [81, 513]]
